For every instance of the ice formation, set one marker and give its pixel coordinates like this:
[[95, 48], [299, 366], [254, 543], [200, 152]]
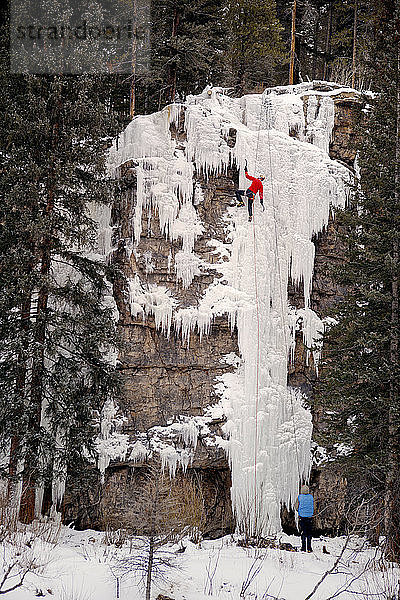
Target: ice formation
[[152, 300], [110, 444], [174, 443], [283, 134]]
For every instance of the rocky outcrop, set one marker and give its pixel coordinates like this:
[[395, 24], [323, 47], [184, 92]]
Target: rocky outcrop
[[167, 378], [343, 144]]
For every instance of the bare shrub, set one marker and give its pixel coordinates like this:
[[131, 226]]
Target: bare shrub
[[211, 569], [73, 591], [115, 537], [187, 508], [25, 548], [341, 71], [252, 573], [165, 511], [46, 530]]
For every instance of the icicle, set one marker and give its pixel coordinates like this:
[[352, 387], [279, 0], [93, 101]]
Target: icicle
[[169, 261], [189, 434], [320, 121], [187, 267], [218, 300], [198, 194], [148, 262], [312, 328], [39, 493], [152, 299], [110, 444], [101, 214], [172, 458], [138, 453]]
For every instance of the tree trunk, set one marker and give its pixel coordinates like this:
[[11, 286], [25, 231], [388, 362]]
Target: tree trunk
[[353, 70], [292, 44], [36, 397], [20, 388], [316, 31], [133, 62], [391, 517], [241, 73], [149, 567], [32, 459], [173, 67], [328, 42]]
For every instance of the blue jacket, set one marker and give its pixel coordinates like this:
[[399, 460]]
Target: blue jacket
[[306, 505]]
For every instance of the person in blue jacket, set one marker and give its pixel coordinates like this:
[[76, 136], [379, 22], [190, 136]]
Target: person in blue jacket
[[305, 507]]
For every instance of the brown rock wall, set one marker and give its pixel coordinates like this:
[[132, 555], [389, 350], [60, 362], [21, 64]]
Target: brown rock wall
[[167, 377]]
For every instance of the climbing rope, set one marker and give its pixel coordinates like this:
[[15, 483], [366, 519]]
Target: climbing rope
[[257, 375], [258, 337], [284, 330], [268, 105]]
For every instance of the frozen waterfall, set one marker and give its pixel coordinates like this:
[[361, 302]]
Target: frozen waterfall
[[268, 430]]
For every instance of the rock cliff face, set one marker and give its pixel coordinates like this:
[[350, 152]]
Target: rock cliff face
[[168, 377], [165, 377]]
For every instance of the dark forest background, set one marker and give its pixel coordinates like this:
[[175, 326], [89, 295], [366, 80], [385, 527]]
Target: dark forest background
[[245, 45]]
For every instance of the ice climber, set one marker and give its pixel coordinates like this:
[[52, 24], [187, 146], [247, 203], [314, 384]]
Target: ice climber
[[305, 507], [256, 186]]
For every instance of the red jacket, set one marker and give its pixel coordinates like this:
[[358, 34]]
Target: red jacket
[[256, 186]]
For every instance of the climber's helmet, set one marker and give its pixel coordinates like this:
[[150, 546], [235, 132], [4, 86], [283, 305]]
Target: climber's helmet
[[261, 177]]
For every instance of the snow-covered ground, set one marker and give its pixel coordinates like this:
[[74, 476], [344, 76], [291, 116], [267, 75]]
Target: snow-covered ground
[[81, 566]]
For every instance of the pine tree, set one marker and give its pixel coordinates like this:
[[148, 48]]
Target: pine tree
[[329, 34], [360, 382], [199, 42], [254, 44], [56, 326], [187, 43], [352, 41]]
